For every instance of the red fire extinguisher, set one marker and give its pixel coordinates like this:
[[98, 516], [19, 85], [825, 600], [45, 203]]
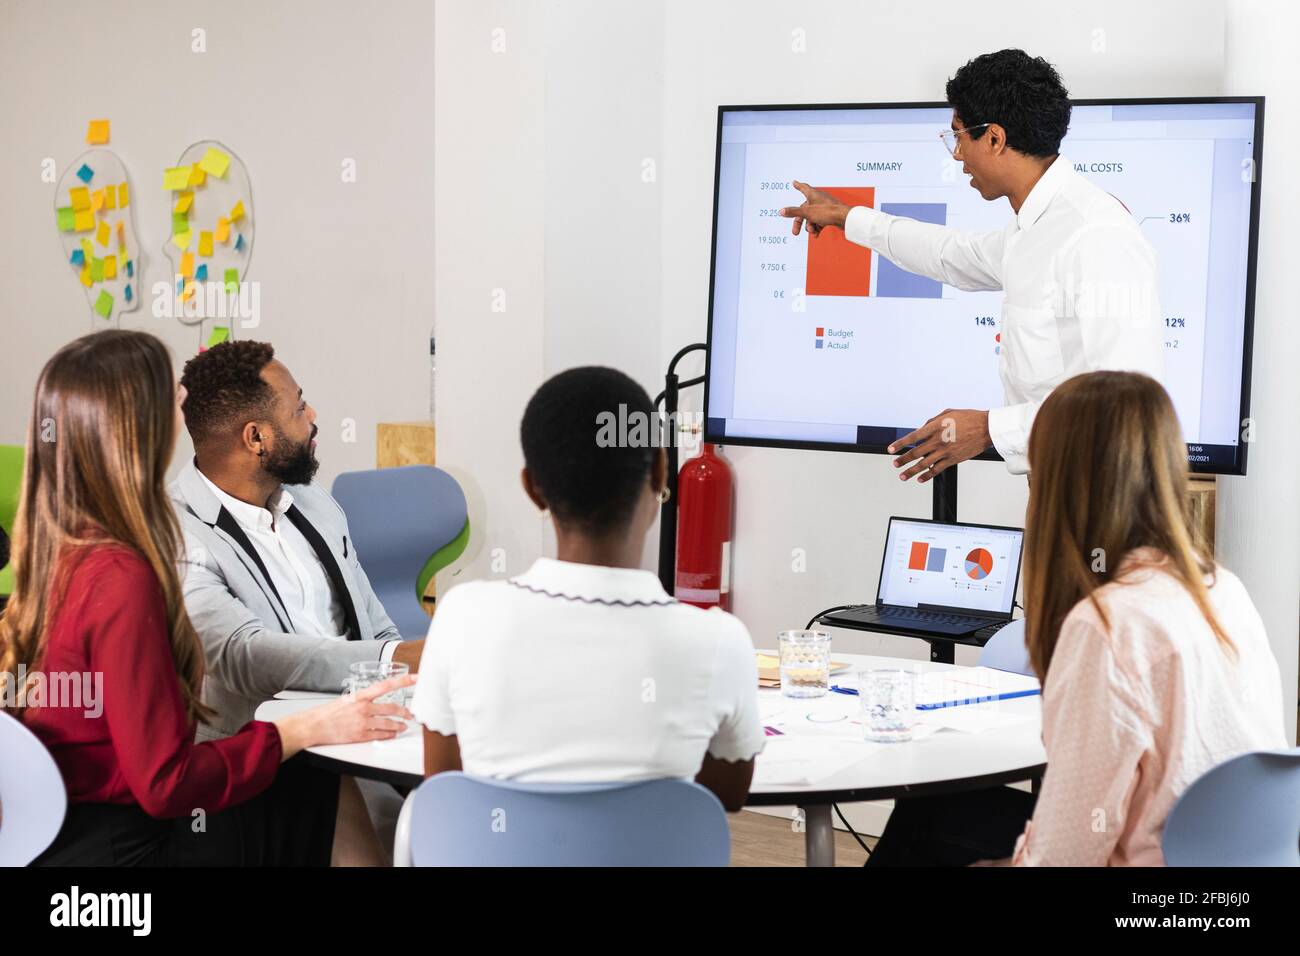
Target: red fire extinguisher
[[704, 493]]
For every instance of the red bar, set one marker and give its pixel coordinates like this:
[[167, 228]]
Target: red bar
[[835, 265], [917, 561]]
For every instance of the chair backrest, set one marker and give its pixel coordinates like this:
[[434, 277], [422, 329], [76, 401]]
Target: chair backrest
[[457, 820], [1244, 812], [1006, 651], [399, 517], [33, 800]]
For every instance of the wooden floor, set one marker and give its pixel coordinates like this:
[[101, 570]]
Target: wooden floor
[[761, 840]]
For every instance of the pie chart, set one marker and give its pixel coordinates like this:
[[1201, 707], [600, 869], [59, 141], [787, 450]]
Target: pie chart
[[978, 564]]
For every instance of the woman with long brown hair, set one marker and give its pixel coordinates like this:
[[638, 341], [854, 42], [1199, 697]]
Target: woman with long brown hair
[[103, 663], [1154, 662]]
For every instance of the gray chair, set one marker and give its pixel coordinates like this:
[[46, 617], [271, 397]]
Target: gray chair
[[1006, 651], [33, 800]]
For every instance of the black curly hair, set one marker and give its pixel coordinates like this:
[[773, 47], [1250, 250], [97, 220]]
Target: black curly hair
[[587, 484], [1021, 93], [226, 389]]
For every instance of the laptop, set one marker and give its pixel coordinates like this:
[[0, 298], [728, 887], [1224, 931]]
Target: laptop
[[943, 579]]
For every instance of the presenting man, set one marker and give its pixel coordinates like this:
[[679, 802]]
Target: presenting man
[[1078, 277]]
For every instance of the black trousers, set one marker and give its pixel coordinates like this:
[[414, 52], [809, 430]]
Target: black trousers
[[954, 829], [291, 823]]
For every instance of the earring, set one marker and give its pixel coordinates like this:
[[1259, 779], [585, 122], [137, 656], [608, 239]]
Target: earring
[[664, 494]]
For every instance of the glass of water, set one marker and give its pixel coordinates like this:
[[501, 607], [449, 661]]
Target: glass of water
[[888, 704], [363, 674], [805, 663]]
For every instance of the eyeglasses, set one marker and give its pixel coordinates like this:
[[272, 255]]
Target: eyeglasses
[[949, 137]]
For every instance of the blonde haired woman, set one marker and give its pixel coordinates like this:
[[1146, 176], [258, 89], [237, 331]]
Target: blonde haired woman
[[97, 597], [1154, 662]]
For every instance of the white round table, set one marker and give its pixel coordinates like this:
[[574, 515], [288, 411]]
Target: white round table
[[817, 759]]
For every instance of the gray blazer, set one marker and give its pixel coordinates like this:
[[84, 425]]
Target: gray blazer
[[251, 652]]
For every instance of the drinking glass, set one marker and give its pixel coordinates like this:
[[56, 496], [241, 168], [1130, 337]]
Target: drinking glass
[[888, 704], [363, 674], [805, 663]]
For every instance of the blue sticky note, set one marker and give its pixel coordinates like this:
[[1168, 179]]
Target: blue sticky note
[[78, 258], [126, 293], [85, 173], [201, 273], [239, 243], [180, 286], [130, 268]]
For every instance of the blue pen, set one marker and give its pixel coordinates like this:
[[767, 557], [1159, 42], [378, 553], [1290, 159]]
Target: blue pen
[[979, 700], [837, 689]]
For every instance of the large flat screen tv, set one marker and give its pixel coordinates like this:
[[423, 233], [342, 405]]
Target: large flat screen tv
[[848, 352]]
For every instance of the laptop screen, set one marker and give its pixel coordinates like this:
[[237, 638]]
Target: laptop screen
[[958, 566]]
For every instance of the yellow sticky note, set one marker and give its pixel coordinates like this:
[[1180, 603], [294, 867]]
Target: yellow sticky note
[[121, 236], [84, 221], [205, 243], [122, 195], [197, 176], [80, 198], [237, 213], [110, 267], [177, 178], [181, 240], [183, 202], [97, 200], [223, 230], [102, 233], [187, 265], [214, 161], [97, 133], [86, 280], [190, 288], [110, 198]]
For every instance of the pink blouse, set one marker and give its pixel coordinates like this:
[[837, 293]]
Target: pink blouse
[[1134, 714]]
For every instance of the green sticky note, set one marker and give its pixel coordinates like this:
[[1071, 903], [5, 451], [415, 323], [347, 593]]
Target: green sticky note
[[220, 333], [104, 304], [67, 219], [97, 272], [180, 223], [232, 280]]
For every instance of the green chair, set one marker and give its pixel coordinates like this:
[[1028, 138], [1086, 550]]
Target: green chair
[[11, 480]]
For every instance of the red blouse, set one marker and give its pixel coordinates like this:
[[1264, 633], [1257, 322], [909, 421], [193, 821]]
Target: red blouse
[[135, 743]]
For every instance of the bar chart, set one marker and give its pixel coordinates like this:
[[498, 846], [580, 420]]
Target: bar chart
[[835, 265]]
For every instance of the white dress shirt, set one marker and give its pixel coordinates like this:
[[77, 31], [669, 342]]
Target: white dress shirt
[[1079, 283], [295, 568], [577, 673]]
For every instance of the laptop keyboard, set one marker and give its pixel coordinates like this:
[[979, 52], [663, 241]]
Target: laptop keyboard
[[917, 614]]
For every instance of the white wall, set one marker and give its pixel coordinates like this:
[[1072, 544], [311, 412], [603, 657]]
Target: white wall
[[294, 88]]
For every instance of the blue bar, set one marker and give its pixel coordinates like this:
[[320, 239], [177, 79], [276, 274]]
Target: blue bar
[[893, 282]]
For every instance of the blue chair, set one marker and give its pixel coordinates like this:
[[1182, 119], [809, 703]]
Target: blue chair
[[407, 524], [33, 799], [1006, 651], [1244, 812], [455, 820]]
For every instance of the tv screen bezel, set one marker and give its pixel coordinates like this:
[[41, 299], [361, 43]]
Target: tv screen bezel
[[1236, 467]]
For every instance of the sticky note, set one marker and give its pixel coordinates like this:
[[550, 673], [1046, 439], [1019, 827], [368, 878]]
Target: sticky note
[[177, 178], [130, 268], [104, 304], [220, 333], [87, 249], [123, 194], [102, 233], [232, 280], [201, 273], [189, 290], [79, 197], [237, 213], [239, 243], [97, 269], [68, 219], [187, 265], [97, 132], [126, 293], [121, 234], [85, 220], [181, 240], [97, 200], [110, 198], [85, 173], [180, 223], [197, 176], [110, 267], [214, 161], [223, 230], [78, 258], [205, 243], [183, 202], [85, 278]]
